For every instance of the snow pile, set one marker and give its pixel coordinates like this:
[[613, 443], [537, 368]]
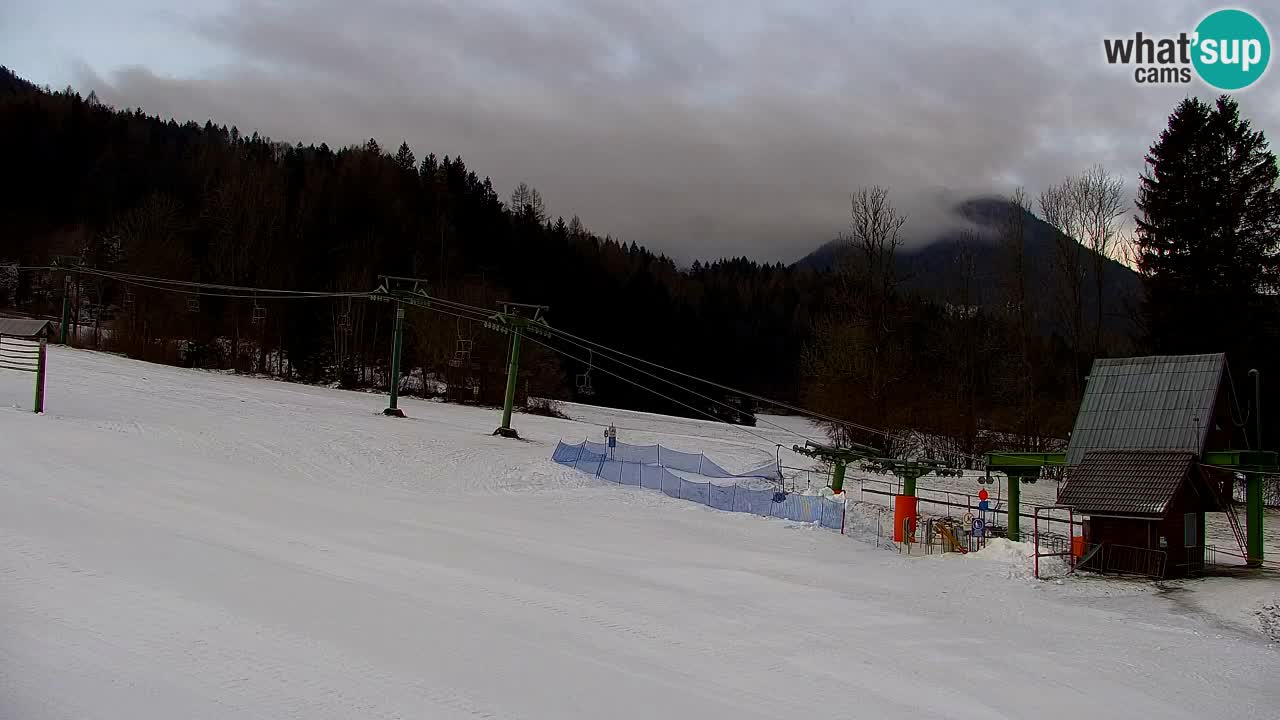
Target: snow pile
[[1269, 620], [1016, 560]]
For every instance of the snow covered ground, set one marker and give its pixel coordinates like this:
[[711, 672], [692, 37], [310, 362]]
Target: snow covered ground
[[183, 544]]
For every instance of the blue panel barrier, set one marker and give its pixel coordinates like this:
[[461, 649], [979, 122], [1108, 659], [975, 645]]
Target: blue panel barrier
[[722, 497], [696, 491], [639, 454], [631, 474], [710, 469], [671, 485], [651, 477], [647, 466], [833, 514], [566, 454], [676, 460]]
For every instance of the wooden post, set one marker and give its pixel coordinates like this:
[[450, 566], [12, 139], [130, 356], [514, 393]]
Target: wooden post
[[40, 363]]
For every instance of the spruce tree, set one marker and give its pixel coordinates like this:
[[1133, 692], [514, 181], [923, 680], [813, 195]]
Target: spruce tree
[[404, 157], [1208, 233]]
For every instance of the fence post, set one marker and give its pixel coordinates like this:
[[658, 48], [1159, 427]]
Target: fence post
[[40, 364]]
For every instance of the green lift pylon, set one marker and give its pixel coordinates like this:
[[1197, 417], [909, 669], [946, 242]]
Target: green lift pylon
[[1255, 465], [66, 264], [1020, 467], [908, 470], [399, 291], [839, 457], [517, 318], [397, 346]]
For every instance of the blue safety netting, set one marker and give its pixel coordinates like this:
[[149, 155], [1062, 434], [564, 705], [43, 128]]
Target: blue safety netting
[[650, 466]]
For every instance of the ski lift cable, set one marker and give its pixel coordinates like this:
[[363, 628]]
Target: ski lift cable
[[574, 340], [681, 387], [242, 296], [662, 379], [887, 434], [626, 380], [115, 275], [642, 386]]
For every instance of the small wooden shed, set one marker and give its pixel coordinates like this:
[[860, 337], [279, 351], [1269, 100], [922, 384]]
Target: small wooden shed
[[24, 328], [22, 348], [1145, 510], [1133, 463]]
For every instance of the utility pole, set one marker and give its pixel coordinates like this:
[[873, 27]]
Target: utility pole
[[399, 291], [518, 318]]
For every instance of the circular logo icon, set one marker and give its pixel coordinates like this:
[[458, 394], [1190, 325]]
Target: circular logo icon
[[1232, 49]]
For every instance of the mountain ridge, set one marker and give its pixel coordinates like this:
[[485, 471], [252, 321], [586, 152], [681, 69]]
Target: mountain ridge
[[930, 268]]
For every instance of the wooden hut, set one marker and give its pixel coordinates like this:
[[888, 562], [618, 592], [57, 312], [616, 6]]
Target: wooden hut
[[1133, 463]]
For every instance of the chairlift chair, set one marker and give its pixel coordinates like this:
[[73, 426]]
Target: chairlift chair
[[193, 304], [463, 346], [583, 380], [259, 313], [344, 317]]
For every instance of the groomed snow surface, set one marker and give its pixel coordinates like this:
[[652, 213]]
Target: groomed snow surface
[[184, 544]]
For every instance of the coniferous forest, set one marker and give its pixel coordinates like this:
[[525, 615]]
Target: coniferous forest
[[986, 357]]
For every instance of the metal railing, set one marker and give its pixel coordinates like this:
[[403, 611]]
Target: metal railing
[[1124, 560]]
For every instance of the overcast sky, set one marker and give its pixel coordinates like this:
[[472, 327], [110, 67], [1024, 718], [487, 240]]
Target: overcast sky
[[700, 129]]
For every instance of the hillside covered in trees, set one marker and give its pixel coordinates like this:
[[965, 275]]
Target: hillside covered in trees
[[982, 354]]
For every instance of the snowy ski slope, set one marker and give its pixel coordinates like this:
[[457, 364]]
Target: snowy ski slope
[[184, 544]]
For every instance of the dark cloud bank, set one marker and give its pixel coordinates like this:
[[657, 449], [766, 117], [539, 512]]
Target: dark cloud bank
[[699, 130]]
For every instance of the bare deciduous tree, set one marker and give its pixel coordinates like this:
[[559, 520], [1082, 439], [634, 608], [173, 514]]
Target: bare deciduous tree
[[527, 201], [1100, 197], [857, 352], [1085, 209]]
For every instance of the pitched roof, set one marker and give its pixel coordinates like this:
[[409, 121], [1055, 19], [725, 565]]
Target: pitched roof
[[22, 327], [1125, 482], [1155, 403]]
